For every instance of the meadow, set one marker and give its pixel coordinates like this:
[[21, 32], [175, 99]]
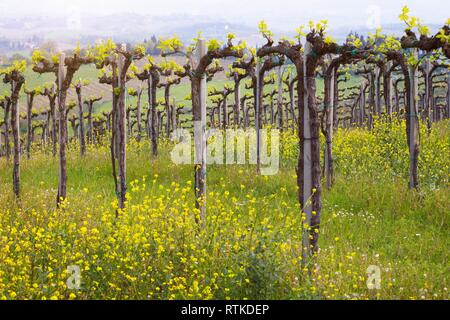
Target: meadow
[[251, 245]]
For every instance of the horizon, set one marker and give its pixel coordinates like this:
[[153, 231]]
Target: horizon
[[360, 13]]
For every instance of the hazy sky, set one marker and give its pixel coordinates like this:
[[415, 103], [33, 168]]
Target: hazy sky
[[278, 13]]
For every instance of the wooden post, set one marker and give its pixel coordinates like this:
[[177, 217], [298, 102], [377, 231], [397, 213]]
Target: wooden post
[[121, 134], [154, 125], [62, 132], [329, 106], [307, 159], [53, 96], [15, 127], [149, 112], [200, 135], [413, 126], [258, 104]]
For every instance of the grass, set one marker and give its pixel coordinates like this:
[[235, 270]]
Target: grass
[[250, 248]]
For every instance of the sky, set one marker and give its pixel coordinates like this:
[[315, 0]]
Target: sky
[[280, 14]]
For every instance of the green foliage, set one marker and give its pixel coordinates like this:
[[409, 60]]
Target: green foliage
[[55, 59], [264, 30], [132, 92], [240, 47], [413, 22], [389, 44], [37, 56], [77, 50], [72, 104], [17, 66], [441, 36], [299, 33], [132, 71], [117, 91], [320, 26], [228, 86], [169, 45], [212, 89], [171, 65], [329, 40], [213, 44], [354, 41], [232, 70], [102, 50], [412, 59], [151, 63], [139, 50]]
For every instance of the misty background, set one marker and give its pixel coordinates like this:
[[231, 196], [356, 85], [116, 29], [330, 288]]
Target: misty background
[[28, 24]]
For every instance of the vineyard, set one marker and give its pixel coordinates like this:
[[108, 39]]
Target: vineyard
[[303, 168]]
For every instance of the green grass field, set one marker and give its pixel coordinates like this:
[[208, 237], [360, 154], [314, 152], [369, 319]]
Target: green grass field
[[250, 248]]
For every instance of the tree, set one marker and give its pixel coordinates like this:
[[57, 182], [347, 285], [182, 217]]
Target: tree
[[5, 104], [289, 81], [404, 54], [64, 69], [30, 99], [89, 102], [346, 57], [255, 71], [152, 74], [223, 95], [317, 45], [82, 137], [50, 92], [200, 56], [237, 75], [13, 75], [173, 73], [122, 69]]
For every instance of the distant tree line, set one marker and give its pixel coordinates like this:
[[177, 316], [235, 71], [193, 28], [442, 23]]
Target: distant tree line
[[151, 46]]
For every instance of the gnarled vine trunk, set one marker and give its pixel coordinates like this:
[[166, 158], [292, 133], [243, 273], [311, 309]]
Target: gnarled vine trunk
[[16, 86]]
